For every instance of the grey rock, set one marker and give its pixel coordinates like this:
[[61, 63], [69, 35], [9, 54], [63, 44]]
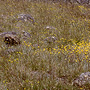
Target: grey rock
[[83, 79], [50, 39], [26, 17]]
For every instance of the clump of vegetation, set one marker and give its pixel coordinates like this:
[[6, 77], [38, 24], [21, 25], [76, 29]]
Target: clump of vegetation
[[36, 65]]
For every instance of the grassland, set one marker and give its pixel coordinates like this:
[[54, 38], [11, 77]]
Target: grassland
[[37, 65]]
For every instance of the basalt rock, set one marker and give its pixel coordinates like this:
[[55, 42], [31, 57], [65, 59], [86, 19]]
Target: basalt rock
[[13, 38], [10, 38]]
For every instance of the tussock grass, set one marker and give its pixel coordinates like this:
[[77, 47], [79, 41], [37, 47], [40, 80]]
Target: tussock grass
[[36, 64]]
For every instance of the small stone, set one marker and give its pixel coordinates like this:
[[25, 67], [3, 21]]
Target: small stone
[[50, 27]]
